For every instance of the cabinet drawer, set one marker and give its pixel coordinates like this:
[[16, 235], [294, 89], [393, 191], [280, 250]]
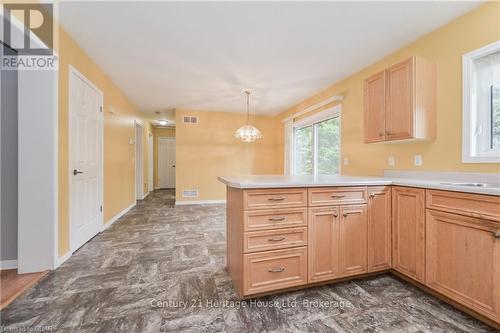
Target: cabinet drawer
[[273, 270], [337, 196], [468, 204], [276, 218], [274, 198], [274, 239]]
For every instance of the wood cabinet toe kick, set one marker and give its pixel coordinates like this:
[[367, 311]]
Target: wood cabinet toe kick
[[447, 243]]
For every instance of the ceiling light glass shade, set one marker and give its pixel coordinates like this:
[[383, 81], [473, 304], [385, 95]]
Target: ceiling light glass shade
[[248, 133]]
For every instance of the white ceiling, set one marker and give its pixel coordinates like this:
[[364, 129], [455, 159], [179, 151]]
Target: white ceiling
[[202, 55]]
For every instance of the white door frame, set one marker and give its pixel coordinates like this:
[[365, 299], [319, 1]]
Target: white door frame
[[150, 162], [74, 71], [38, 138], [139, 161], [169, 138]]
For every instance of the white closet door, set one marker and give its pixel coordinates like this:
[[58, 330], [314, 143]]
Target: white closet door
[[166, 162]]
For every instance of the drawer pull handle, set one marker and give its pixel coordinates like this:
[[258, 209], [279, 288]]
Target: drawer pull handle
[[277, 219], [372, 195], [276, 199], [347, 213], [338, 196], [277, 239], [496, 234], [276, 270]]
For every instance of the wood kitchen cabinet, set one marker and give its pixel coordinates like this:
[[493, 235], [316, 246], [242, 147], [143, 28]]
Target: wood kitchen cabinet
[[324, 238], [463, 260], [379, 228], [400, 102], [337, 242], [374, 105], [408, 225], [353, 240]]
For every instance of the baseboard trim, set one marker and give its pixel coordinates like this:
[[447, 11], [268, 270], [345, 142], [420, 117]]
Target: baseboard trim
[[117, 217], [145, 195], [60, 260], [199, 202], [8, 264]]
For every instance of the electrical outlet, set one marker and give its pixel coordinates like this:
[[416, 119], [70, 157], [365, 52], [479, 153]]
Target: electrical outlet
[[392, 161], [346, 161], [418, 160]]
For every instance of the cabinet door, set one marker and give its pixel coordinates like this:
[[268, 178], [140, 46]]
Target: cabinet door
[[379, 228], [323, 244], [399, 101], [408, 219], [374, 108], [353, 240], [463, 260]]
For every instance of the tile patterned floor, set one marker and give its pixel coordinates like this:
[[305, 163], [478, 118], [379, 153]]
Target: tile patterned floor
[[160, 268]]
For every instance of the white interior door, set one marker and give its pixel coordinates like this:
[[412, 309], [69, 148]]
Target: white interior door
[[139, 187], [85, 151], [166, 162], [150, 162]]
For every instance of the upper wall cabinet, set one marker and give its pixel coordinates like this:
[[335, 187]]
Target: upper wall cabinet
[[400, 102]]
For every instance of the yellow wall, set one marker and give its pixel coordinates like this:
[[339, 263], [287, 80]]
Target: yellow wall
[[119, 167], [209, 149], [445, 46], [159, 132]]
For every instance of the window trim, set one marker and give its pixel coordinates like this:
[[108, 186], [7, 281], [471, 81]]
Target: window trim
[[468, 112], [291, 126]]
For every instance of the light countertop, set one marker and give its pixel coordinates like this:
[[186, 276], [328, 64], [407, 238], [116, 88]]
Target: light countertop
[[406, 179]]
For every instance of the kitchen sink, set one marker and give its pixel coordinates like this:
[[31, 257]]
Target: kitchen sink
[[490, 185]]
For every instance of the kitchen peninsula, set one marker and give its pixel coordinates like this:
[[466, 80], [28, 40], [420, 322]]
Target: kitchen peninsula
[[439, 232]]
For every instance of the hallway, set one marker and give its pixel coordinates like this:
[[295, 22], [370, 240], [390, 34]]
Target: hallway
[[152, 269]]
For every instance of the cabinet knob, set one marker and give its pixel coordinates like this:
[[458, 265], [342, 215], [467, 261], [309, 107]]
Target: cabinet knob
[[335, 215], [381, 134], [345, 214], [496, 234]]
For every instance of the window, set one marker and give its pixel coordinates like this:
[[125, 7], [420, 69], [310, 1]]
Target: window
[[481, 109], [316, 144]]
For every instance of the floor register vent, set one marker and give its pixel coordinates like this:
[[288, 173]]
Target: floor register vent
[[190, 193]]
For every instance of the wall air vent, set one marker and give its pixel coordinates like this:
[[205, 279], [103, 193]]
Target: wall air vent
[[190, 120], [190, 193]]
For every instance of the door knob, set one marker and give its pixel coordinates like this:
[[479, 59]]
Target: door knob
[[173, 166], [76, 172]]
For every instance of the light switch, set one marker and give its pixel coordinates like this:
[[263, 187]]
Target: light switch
[[418, 160], [392, 161], [346, 161], [131, 141]]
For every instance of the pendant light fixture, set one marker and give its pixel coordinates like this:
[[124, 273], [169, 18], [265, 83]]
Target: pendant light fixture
[[248, 133]]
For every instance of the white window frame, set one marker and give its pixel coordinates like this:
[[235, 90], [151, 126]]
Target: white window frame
[[291, 126], [470, 115]]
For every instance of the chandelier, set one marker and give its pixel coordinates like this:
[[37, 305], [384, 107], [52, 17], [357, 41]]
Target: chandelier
[[248, 133]]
